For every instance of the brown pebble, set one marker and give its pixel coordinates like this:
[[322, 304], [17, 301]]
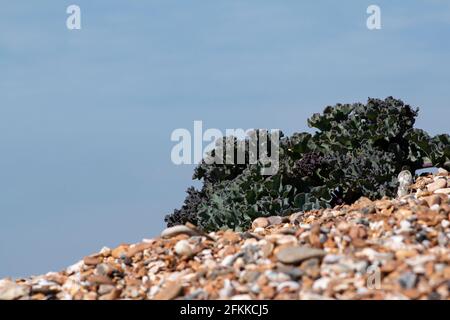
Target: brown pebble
[[92, 261], [260, 223], [169, 291]]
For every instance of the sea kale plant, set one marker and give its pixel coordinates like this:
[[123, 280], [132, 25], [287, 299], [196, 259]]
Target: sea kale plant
[[357, 150]]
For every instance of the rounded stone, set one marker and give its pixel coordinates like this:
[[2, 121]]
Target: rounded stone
[[260, 223], [183, 248], [275, 220], [432, 200], [438, 184], [288, 285], [296, 217], [176, 230], [9, 290], [295, 254], [169, 291], [443, 191]]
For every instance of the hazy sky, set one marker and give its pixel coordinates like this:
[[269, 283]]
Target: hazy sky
[[86, 115]]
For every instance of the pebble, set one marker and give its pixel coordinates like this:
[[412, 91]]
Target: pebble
[[228, 261], [408, 280], [321, 284], [295, 254], [99, 279], [332, 258], [92, 261], [405, 226], [177, 230], [295, 217], [343, 226], [277, 276], [120, 251], [259, 230], [90, 296], [105, 251], [260, 223], [249, 276], [311, 268], [135, 249], [432, 200], [405, 179], [105, 269], [290, 285], [231, 236], [105, 288], [227, 289], [241, 297], [443, 191], [113, 295], [275, 220], [183, 248], [169, 291], [435, 207], [266, 248], [438, 184], [9, 290], [75, 268], [286, 239], [443, 240]]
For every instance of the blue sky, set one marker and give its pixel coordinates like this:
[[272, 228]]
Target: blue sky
[[86, 116]]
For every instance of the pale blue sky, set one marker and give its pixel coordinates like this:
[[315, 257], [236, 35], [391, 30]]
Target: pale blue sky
[[86, 116]]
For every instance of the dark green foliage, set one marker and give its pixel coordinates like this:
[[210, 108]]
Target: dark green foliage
[[188, 211], [357, 151]]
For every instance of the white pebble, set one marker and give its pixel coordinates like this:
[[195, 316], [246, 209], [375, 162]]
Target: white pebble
[[75, 268], [435, 207], [259, 230], [405, 225], [228, 261], [227, 289], [183, 248], [321, 284], [241, 297], [293, 286]]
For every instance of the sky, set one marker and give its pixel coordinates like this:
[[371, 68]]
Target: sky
[[86, 115]]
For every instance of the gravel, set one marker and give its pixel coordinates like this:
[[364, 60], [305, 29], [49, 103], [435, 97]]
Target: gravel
[[383, 249]]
